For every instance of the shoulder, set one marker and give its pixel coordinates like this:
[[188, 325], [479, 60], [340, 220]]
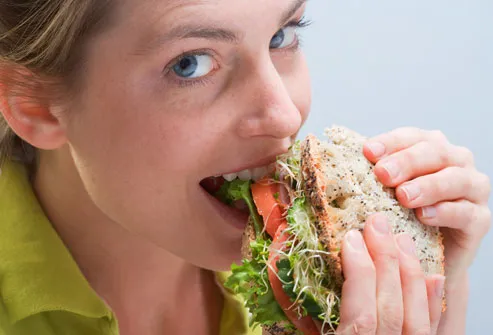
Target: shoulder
[[5, 325]]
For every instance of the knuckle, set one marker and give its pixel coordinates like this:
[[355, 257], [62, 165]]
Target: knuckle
[[468, 182], [465, 212], [392, 137], [438, 136], [414, 273], [488, 216], [437, 189], [390, 258], [477, 225], [470, 214], [443, 151], [466, 154], [407, 157], [365, 324], [442, 185], [455, 178], [407, 164], [403, 134], [403, 130], [475, 219], [485, 221], [447, 210], [485, 182]]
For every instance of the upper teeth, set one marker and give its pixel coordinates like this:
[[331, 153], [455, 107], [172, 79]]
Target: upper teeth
[[248, 174]]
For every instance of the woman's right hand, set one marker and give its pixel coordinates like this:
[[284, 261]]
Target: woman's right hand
[[385, 291]]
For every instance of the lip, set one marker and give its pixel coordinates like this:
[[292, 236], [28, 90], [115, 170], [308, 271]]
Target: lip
[[262, 162], [235, 217]]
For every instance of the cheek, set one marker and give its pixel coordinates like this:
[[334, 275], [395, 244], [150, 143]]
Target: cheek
[[141, 174], [125, 149], [138, 145], [133, 126]]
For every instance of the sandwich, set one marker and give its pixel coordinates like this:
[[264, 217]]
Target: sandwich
[[291, 276]]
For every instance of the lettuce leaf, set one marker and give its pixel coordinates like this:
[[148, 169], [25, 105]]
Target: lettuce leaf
[[251, 281], [235, 190]]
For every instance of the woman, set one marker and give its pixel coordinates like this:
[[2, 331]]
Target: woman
[[130, 106]]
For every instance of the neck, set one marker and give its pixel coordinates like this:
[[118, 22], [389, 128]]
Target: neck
[[145, 286]]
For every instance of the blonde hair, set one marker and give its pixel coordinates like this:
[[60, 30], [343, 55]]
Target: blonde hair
[[41, 50]]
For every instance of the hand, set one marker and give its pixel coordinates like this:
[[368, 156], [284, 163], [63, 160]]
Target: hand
[[385, 291], [440, 181]]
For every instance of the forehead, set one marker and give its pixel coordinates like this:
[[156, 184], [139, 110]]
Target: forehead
[[147, 23], [141, 27], [171, 11]]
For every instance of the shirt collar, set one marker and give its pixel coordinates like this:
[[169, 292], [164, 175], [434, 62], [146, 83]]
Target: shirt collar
[[37, 272]]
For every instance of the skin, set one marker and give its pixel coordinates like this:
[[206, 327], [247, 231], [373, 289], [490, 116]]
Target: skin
[[120, 166]]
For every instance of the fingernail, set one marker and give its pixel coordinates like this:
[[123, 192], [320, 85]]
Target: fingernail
[[412, 191], [377, 149], [355, 240], [406, 244], [428, 212], [439, 286], [392, 168], [381, 225]]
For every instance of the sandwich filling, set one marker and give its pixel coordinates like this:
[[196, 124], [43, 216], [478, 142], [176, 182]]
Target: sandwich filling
[[286, 276]]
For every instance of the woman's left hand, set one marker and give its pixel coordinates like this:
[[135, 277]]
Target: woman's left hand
[[440, 181]]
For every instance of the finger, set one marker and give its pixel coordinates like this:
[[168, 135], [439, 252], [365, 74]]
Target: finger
[[434, 288], [386, 144], [383, 251], [416, 316], [452, 183], [472, 219], [397, 140], [420, 159], [358, 303]]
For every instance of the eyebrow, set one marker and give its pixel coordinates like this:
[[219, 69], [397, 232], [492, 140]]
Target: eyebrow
[[210, 32], [291, 11]]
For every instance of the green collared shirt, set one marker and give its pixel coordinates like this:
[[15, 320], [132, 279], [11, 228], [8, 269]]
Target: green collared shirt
[[42, 290]]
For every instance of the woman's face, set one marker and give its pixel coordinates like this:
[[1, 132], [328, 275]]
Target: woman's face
[[177, 91]]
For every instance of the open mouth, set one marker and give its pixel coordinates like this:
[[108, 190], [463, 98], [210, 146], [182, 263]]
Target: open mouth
[[214, 184]]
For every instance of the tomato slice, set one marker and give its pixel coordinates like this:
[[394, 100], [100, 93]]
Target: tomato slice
[[304, 324], [265, 195]]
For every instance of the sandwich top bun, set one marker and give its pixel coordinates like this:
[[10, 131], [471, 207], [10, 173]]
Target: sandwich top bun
[[344, 191]]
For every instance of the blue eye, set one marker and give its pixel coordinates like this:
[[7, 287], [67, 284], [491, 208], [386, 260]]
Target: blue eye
[[193, 66], [284, 38]]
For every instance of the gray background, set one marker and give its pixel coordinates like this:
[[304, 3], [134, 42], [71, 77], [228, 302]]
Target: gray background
[[377, 65]]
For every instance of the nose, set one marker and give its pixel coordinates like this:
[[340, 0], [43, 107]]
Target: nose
[[270, 110]]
